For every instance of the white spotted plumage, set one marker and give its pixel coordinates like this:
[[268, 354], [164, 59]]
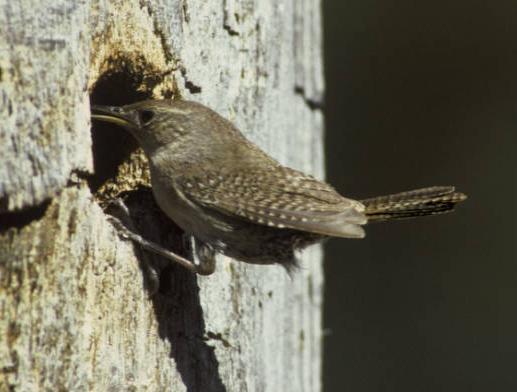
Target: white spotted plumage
[[280, 198]]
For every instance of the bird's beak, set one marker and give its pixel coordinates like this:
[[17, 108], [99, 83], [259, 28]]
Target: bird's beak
[[114, 114]]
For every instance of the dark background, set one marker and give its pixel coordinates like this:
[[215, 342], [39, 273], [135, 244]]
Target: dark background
[[423, 93]]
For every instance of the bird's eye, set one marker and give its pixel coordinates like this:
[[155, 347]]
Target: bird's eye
[[146, 116]]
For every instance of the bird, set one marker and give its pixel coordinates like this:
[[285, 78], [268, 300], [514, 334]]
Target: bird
[[235, 199]]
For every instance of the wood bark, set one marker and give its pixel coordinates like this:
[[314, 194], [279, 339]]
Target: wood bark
[[76, 310]]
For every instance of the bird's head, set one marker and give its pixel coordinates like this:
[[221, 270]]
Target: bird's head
[[156, 123], [190, 133]]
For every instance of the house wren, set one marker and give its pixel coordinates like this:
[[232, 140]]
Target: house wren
[[235, 199]]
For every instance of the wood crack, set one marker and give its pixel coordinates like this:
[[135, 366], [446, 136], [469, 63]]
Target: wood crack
[[313, 104]]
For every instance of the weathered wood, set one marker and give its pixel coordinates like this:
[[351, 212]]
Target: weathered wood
[[75, 307]]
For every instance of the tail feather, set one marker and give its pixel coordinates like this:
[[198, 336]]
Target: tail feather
[[425, 201]]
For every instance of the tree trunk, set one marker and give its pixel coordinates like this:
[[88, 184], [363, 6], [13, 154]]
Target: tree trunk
[[76, 308]]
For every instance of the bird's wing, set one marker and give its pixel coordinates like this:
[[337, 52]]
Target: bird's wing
[[281, 198]]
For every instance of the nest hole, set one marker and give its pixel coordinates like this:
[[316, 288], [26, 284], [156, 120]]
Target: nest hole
[[111, 144]]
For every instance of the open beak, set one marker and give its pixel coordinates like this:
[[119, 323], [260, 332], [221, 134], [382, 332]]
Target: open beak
[[113, 114]]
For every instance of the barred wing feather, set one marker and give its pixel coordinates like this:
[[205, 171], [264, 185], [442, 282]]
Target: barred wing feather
[[280, 198]]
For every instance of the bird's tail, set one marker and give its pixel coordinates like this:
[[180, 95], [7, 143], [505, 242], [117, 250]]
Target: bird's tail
[[420, 202]]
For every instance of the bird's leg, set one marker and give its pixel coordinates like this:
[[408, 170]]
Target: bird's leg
[[130, 233], [206, 256]]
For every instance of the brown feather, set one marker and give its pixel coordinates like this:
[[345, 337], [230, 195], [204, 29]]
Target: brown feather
[[283, 198], [420, 202]]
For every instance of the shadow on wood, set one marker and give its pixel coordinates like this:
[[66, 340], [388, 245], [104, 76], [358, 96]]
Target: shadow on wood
[[176, 301]]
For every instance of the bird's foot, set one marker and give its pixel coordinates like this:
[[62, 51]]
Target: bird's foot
[[126, 230]]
